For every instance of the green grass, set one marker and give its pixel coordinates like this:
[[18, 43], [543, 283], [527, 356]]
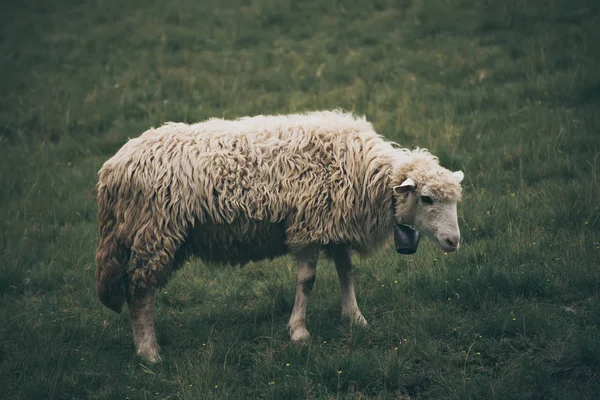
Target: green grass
[[508, 91]]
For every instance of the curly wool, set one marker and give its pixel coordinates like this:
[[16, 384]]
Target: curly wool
[[248, 189], [424, 167]]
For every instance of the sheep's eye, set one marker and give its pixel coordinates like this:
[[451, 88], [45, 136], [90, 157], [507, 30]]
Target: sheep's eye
[[426, 199]]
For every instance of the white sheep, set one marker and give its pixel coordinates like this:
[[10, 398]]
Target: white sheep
[[256, 188]]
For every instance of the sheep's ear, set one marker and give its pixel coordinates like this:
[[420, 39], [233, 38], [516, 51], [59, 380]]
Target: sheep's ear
[[426, 192], [458, 175], [407, 186]]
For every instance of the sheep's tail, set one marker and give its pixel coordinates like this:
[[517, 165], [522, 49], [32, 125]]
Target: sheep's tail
[[111, 256]]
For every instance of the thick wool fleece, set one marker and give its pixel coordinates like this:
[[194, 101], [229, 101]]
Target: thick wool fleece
[[247, 189]]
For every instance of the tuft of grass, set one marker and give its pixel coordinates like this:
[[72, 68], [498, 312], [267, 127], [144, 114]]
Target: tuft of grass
[[509, 92]]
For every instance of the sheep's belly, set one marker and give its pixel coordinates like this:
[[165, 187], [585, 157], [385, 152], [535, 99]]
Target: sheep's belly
[[237, 243]]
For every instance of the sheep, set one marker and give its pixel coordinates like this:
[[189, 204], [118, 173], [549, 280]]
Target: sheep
[[254, 188]]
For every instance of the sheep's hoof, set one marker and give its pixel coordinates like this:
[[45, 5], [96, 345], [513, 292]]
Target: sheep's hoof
[[149, 354], [299, 334], [150, 357], [357, 319]]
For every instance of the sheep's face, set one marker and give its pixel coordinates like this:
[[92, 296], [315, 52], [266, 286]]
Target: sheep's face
[[431, 207]]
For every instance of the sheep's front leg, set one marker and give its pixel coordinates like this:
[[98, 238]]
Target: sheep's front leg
[[343, 264], [307, 268], [141, 313]]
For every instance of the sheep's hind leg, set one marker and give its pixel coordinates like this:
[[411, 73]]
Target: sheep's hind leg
[[307, 268], [155, 253], [141, 312], [343, 264]]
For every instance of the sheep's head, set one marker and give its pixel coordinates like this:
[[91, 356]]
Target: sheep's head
[[426, 197]]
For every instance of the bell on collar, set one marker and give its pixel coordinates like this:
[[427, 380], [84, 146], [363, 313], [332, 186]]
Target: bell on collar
[[406, 239]]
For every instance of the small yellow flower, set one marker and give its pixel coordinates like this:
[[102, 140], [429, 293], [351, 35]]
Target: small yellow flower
[[324, 341], [339, 371], [395, 349], [586, 222], [165, 292], [514, 319], [69, 164], [396, 281], [82, 359], [478, 353], [288, 364], [474, 229], [449, 298], [272, 383], [216, 386], [382, 285]]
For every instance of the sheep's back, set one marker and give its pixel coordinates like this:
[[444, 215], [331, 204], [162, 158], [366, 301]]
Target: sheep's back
[[306, 179]]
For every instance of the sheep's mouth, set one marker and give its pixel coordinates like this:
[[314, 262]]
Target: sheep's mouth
[[406, 239]]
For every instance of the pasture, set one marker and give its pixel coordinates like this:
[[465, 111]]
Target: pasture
[[507, 91]]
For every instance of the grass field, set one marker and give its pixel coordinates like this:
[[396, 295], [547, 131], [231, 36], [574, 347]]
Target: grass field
[[508, 91]]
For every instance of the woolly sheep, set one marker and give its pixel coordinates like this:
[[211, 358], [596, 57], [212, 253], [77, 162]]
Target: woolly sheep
[[233, 191]]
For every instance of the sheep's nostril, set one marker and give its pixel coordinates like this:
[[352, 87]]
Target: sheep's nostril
[[451, 241]]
